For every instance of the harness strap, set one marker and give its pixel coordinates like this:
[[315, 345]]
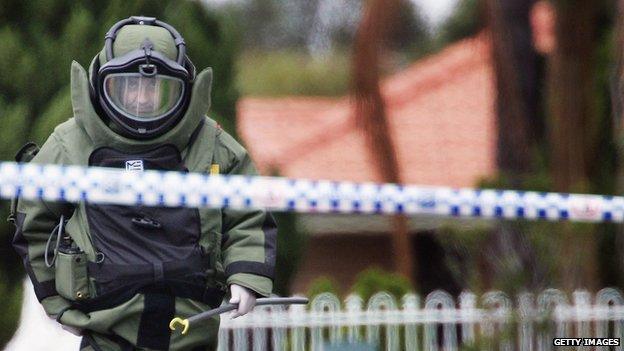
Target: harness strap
[[155, 272]]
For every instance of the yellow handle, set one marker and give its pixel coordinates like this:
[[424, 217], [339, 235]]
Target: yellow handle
[[182, 322]]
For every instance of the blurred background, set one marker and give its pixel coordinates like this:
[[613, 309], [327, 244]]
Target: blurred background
[[510, 94]]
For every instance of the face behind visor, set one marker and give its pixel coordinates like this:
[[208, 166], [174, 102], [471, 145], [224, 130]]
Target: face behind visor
[[144, 84], [143, 99]]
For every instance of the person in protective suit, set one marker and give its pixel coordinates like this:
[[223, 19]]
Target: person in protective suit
[[119, 274]]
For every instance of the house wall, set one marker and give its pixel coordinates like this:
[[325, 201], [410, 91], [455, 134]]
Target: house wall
[[341, 257]]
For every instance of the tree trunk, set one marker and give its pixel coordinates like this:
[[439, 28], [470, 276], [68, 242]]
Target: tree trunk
[[520, 129], [617, 103], [370, 116], [572, 129], [520, 126]]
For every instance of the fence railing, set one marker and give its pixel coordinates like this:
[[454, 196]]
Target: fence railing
[[492, 321]]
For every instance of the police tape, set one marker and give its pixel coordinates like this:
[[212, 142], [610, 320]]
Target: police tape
[[178, 189]]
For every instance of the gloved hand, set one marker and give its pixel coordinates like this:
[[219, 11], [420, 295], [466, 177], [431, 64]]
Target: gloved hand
[[245, 298]]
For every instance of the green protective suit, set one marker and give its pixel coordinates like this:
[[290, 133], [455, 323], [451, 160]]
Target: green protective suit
[[237, 247]]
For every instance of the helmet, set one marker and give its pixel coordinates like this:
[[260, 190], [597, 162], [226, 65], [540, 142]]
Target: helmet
[[145, 91]]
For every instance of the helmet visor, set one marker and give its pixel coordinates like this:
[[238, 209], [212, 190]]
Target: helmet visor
[[143, 98]]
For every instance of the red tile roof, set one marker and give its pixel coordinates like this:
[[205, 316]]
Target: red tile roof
[[440, 110]]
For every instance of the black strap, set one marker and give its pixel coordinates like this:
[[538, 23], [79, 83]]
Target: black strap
[[61, 312], [119, 283], [258, 268], [27, 152], [196, 133], [88, 341], [13, 212], [166, 270], [209, 295], [24, 154], [193, 137], [158, 310]]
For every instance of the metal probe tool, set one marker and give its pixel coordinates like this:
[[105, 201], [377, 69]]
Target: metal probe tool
[[186, 323]]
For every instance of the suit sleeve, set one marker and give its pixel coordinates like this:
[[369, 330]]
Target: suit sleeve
[[249, 240], [35, 220]]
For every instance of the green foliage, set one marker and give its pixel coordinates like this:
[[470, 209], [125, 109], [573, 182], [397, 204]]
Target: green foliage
[[292, 73], [476, 263], [537, 181], [367, 283], [467, 245], [14, 127], [263, 19], [410, 33], [508, 334], [291, 243], [374, 280], [604, 166], [465, 21], [10, 309], [321, 285]]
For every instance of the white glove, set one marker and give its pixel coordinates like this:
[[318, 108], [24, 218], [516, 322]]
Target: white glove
[[245, 298]]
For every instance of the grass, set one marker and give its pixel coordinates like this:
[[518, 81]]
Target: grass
[[278, 73]]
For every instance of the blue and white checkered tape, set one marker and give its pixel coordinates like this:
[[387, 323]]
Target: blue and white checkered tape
[[176, 189]]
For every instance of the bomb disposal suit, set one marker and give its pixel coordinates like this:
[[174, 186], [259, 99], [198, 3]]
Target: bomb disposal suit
[[119, 274]]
